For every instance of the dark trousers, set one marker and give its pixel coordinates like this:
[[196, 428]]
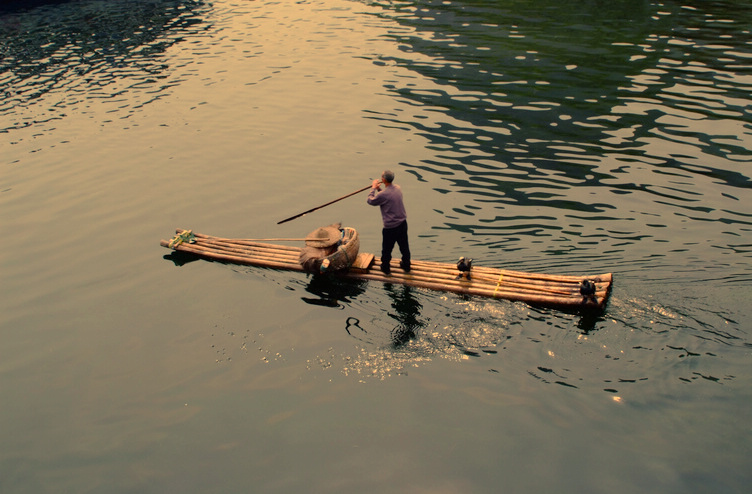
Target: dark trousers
[[397, 235]]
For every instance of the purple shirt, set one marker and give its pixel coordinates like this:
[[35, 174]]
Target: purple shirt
[[390, 201]]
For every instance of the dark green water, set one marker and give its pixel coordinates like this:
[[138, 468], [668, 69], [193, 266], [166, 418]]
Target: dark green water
[[564, 137]]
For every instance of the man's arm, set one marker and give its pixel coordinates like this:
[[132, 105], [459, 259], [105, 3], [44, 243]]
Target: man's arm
[[373, 196]]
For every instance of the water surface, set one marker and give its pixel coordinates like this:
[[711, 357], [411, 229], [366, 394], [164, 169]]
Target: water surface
[[542, 136]]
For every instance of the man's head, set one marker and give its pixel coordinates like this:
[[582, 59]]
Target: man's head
[[387, 176]]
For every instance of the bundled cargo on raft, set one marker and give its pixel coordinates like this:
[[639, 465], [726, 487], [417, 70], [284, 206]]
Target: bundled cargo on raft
[[330, 249]]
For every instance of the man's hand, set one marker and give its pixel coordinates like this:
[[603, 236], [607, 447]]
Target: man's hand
[[376, 183]]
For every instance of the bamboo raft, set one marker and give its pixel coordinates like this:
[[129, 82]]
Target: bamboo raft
[[548, 290]]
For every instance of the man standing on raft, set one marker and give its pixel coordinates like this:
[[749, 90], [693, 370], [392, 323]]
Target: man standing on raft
[[395, 220]]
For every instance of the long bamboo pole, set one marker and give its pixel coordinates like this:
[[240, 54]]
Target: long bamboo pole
[[420, 277], [446, 274], [523, 274], [493, 276], [487, 282], [249, 250], [301, 239], [323, 205], [451, 285], [434, 267], [238, 258], [256, 253], [241, 242]]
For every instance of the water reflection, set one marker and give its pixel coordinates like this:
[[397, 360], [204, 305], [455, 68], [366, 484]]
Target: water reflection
[[337, 293], [466, 328], [406, 312], [588, 321], [58, 58], [331, 291]]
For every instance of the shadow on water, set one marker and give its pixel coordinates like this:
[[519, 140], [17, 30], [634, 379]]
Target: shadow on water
[[181, 258], [84, 49]]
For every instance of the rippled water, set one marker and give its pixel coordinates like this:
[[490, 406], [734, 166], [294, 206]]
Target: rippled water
[[563, 137]]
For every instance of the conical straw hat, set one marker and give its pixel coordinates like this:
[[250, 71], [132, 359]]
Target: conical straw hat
[[326, 236]]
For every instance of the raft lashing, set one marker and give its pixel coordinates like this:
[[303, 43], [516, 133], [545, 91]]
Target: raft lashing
[[589, 292]]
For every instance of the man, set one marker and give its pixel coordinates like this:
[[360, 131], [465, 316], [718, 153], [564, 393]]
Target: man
[[395, 220]]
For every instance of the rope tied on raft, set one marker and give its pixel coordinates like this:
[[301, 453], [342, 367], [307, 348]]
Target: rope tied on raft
[[342, 249], [186, 236], [498, 284]]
